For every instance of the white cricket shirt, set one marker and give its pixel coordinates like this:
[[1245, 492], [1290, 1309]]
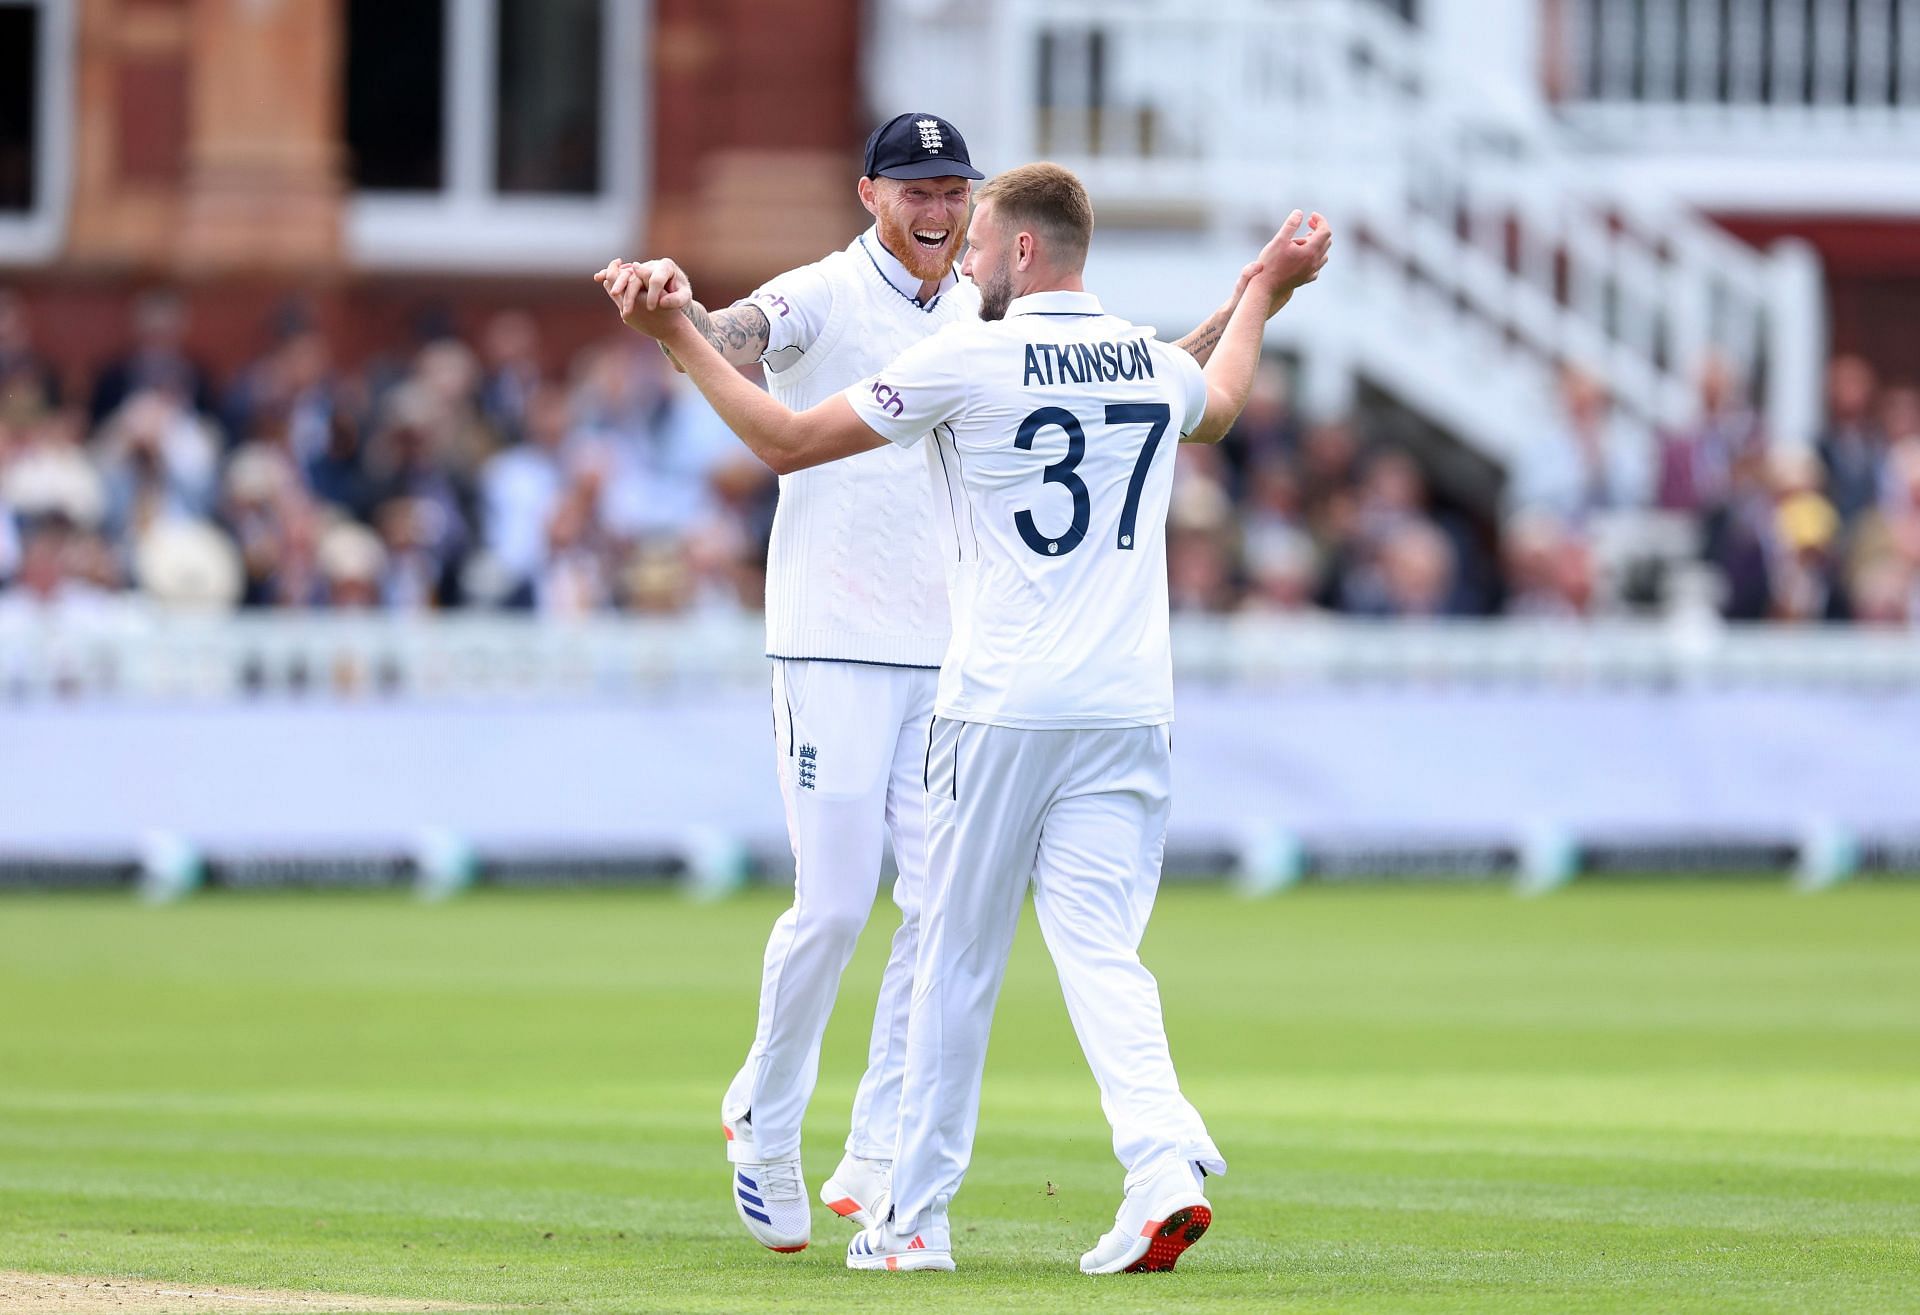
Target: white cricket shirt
[[1054, 433], [854, 568]]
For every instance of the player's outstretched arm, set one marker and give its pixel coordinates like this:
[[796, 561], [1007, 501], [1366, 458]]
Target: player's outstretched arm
[[785, 440], [738, 333], [1200, 343], [1286, 263]]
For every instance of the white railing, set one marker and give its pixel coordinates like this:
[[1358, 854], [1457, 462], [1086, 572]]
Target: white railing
[[1757, 74], [144, 656], [1481, 253]]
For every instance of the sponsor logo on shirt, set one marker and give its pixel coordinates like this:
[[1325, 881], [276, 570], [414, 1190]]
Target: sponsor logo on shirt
[[888, 399]]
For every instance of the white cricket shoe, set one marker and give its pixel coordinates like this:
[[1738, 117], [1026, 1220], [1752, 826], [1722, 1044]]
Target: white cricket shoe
[[881, 1245], [1158, 1220], [855, 1185], [770, 1196]]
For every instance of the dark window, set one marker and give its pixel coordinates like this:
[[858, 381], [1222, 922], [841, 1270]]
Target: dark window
[[19, 107], [396, 79], [549, 96]]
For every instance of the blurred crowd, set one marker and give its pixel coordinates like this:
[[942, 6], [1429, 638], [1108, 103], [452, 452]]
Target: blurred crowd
[[1286, 517], [464, 476], [467, 474]]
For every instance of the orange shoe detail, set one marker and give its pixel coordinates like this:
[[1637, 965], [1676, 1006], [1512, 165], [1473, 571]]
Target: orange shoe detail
[[1171, 1236], [728, 1130], [893, 1262], [845, 1206]]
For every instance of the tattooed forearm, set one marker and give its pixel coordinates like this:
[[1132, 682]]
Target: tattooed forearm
[[738, 333], [1200, 343]]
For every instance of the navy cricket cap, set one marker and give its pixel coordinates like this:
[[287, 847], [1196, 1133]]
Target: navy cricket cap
[[918, 146]]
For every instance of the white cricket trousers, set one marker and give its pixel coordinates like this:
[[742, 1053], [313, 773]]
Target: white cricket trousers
[[1082, 815], [851, 745]]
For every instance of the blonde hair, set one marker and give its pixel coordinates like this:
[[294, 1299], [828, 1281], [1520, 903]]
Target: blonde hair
[[1048, 198]]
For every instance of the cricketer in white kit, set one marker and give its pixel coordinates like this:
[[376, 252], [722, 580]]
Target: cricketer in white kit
[[1051, 460], [857, 624]]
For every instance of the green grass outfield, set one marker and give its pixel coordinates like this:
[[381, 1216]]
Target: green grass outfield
[[1636, 1098]]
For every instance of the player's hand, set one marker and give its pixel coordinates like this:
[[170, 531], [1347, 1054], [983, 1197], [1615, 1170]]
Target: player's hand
[[1247, 272], [646, 293], [1293, 258], [667, 285]]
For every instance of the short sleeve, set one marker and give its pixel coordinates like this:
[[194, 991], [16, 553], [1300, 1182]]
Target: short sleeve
[[1193, 386], [925, 385], [796, 304]]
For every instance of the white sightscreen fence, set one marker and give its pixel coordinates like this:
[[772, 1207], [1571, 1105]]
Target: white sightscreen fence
[[524, 754]]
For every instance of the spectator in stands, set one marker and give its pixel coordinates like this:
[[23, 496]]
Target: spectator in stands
[[1549, 570], [1266, 435], [51, 473], [1697, 464], [510, 347], [352, 564], [1884, 551], [337, 476], [157, 361], [1882, 593], [28, 385], [1584, 468], [1416, 563], [445, 481], [1804, 582], [658, 439], [1329, 460], [271, 518], [1279, 560], [419, 503], [159, 460], [188, 565], [1852, 445], [519, 489], [1776, 550], [288, 391], [445, 389], [9, 542], [575, 577], [1390, 500], [300, 397], [1900, 424], [1283, 568], [52, 578], [742, 494], [1199, 544]]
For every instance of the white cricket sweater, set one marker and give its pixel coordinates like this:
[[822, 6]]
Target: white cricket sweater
[[854, 570]]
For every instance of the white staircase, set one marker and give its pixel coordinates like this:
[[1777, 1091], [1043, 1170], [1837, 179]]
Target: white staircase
[[1475, 253]]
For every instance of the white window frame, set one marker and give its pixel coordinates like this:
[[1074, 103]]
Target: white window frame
[[38, 235], [468, 221]]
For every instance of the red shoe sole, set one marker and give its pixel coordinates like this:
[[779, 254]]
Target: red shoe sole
[[1181, 1230]]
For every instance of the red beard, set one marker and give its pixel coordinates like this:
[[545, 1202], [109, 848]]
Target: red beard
[[929, 265]]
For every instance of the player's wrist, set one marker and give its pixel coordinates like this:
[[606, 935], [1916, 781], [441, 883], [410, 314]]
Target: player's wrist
[[676, 334]]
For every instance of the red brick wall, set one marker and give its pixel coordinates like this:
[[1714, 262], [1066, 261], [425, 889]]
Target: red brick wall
[[756, 123], [1873, 283]]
